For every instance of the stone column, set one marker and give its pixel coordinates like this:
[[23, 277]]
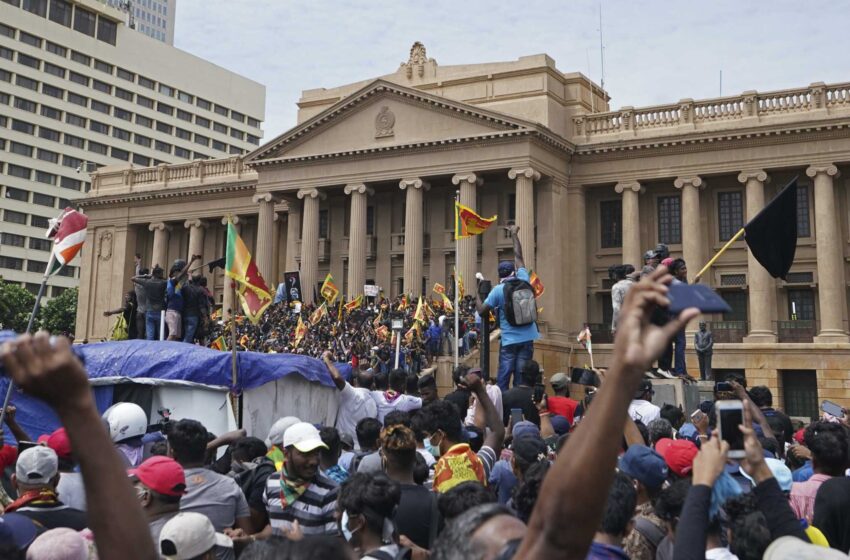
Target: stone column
[[761, 287], [575, 261], [631, 222], [196, 236], [265, 235], [414, 253], [691, 222], [525, 177], [467, 254], [160, 245], [309, 241], [357, 238], [227, 300], [829, 254], [293, 229], [551, 217]]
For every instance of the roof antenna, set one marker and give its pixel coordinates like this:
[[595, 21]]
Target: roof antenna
[[721, 83], [601, 51], [590, 83]]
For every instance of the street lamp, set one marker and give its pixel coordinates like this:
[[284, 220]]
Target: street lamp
[[397, 322]]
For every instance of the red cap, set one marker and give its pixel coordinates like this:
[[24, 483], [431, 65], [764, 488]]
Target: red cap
[[798, 435], [678, 454], [161, 474], [57, 441]]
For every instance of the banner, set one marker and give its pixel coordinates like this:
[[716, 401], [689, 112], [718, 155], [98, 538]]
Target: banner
[[293, 286], [371, 290]]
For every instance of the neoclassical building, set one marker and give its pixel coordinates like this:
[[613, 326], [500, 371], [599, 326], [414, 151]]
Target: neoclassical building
[[363, 187]]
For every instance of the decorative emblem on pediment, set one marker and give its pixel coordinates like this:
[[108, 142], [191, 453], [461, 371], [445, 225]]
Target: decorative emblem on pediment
[[384, 123], [417, 61], [104, 245]]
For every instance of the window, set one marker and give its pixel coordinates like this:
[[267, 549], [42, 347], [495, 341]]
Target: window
[[145, 82], [7, 31], [237, 134], [67, 271], [204, 104], [12, 240], [163, 108], [68, 183], [22, 126], [122, 114], [253, 139], [75, 120], [220, 146], [24, 104], [125, 74], [25, 82], [121, 134], [74, 141], [84, 21], [118, 153], [144, 101], [100, 107], [106, 30], [184, 115], [39, 221], [8, 54], [54, 70], [43, 199], [38, 7], [98, 148], [12, 263], [182, 152], [253, 122], [58, 50], [800, 393], [237, 116], [218, 127], [803, 226], [28, 60], [4, 98], [164, 127], [46, 178], [370, 220], [142, 140], [185, 97], [5, 75], [235, 150], [163, 147], [323, 224], [219, 110], [30, 39], [730, 214], [47, 155], [60, 12], [123, 94], [77, 99], [182, 134], [201, 121], [48, 133], [36, 266], [737, 300], [101, 86], [17, 194], [801, 304], [78, 79], [202, 140], [139, 159], [83, 59], [56, 92], [669, 220], [14, 217], [37, 244], [166, 90], [71, 162], [56, 291], [199, 155], [20, 149]]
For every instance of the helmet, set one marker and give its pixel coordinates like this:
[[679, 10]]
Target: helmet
[[662, 251], [651, 254], [125, 420]]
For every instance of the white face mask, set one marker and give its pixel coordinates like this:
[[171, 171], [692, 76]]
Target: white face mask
[[343, 526]]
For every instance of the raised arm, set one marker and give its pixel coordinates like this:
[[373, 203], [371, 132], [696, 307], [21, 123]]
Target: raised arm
[[574, 493], [14, 427], [519, 262], [335, 374], [494, 436]]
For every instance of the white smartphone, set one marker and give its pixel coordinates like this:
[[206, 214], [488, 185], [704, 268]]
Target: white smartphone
[[730, 415]]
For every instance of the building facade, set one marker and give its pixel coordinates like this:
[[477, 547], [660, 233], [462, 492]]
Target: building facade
[[76, 94], [363, 187], [154, 18]]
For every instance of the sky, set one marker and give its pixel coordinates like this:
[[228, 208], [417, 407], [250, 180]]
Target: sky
[[655, 51]]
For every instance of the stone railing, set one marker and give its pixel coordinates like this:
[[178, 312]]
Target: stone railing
[[816, 100], [128, 178]]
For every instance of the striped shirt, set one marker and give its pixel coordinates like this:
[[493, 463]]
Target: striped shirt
[[314, 509]]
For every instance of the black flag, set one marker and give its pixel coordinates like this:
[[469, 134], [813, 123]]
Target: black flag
[[772, 234], [218, 263]]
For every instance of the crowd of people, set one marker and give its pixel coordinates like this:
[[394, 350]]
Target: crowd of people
[[480, 473]]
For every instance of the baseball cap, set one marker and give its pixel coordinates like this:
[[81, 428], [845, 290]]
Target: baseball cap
[[57, 441], [304, 436], [798, 436], [780, 471], [667, 262], [559, 380], [525, 428], [645, 385], [37, 465], [161, 474], [278, 428], [644, 465], [792, 548], [73, 545], [560, 424], [188, 535], [17, 529], [347, 440], [506, 268], [678, 454], [530, 449]]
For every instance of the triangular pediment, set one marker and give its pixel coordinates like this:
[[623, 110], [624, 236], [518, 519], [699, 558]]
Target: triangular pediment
[[384, 115]]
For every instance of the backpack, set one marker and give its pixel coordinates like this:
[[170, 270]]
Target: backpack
[[650, 531], [520, 304]]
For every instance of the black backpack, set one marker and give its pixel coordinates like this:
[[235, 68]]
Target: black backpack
[[520, 304]]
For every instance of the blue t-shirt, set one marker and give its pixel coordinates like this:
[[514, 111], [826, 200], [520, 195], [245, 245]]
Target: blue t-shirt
[[174, 297], [510, 333], [502, 478]]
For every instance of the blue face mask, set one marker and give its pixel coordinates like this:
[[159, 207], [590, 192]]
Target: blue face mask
[[432, 448]]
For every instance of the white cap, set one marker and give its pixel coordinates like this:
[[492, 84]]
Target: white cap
[[36, 465], [304, 436], [278, 428], [792, 548], [188, 535]]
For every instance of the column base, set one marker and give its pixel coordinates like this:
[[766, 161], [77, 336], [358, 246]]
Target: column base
[[832, 336], [761, 337]]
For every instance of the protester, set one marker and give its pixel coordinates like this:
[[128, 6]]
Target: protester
[[828, 444], [484, 531], [355, 401], [616, 521], [648, 472], [250, 468], [779, 422], [128, 312], [560, 403], [191, 536], [394, 398], [624, 277], [366, 505], [522, 395], [153, 293], [160, 484], [274, 441], [141, 304], [641, 408], [427, 385], [329, 457], [193, 302], [70, 485], [62, 544], [832, 512]]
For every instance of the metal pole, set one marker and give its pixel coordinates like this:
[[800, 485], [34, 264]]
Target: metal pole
[[234, 361], [484, 346], [457, 271], [162, 325], [397, 347]]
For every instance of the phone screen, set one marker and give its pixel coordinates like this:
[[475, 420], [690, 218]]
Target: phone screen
[[516, 416], [832, 409], [730, 420]]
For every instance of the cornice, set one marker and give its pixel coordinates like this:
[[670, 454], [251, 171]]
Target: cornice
[[163, 194]]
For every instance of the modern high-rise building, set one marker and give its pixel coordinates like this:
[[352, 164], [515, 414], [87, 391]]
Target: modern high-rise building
[[154, 18], [80, 90]]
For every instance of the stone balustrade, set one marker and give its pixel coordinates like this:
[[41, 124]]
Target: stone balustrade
[[126, 178]]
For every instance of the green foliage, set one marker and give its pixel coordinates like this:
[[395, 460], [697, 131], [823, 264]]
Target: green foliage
[[15, 306], [60, 314]]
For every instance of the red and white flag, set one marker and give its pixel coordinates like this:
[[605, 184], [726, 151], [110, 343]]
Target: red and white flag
[[68, 233]]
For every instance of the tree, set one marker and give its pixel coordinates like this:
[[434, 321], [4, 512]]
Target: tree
[[15, 306], [60, 314]]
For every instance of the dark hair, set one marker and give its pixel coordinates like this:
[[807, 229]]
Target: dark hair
[[669, 503], [659, 428], [162, 498], [525, 494], [330, 437], [458, 374], [420, 469], [382, 381], [399, 445], [398, 380], [770, 444], [644, 432], [748, 525], [397, 417], [373, 495], [456, 542], [475, 436], [463, 497], [426, 380], [676, 265], [738, 378], [188, 441], [620, 507], [365, 379], [9, 551], [144, 271], [412, 387], [368, 431], [531, 372], [159, 448], [442, 415], [673, 414], [829, 447], [417, 424], [309, 547], [248, 448], [761, 396]]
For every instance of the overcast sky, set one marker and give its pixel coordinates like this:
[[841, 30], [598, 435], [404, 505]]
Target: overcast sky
[[656, 51]]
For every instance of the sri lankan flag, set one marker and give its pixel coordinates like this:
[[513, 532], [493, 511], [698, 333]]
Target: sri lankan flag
[[300, 331], [252, 289], [447, 304], [329, 290], [68, 233], [219, 344], [536, 284], [320, 313], [420, 311], [403, 304], [468, 223], [354, 304]]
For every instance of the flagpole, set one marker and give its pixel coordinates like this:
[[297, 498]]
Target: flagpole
[[722, 250], [233, 358], [30, 323], [457, 307]]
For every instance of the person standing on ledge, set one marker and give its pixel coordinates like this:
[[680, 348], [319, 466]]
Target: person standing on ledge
[[517, 342]]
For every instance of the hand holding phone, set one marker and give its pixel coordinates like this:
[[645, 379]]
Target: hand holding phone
[[516, 416], [683, 296], [730, 417], [832, 409]]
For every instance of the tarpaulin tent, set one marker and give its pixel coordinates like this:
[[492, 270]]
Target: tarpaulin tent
[[194, 381]]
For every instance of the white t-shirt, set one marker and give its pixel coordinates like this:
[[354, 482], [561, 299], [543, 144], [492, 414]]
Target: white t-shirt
[[386, 404], [644, 411], [495, 395], [355, 404], [71, 491]]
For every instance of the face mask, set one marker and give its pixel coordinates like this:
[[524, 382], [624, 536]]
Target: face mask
[[432, 447], [343, 527]]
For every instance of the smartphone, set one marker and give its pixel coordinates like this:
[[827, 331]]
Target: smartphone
[[832, 409], [24, 445], [730, 415], [582, 376], [516, 416], [697, 416], [682, 296], [723, 387], [539, 391]]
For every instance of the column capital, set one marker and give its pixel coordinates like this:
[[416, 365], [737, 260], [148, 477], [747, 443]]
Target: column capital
[[471, 178], [311, 193], [195, 222], [826, 168], [415, 183], [234, 219], [759, 175], [161, 226], [264, 197], [527, 172], [633, 186], [695, 181], [359, 188]]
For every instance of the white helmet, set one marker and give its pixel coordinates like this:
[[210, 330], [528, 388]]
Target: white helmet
[[125, 420]]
